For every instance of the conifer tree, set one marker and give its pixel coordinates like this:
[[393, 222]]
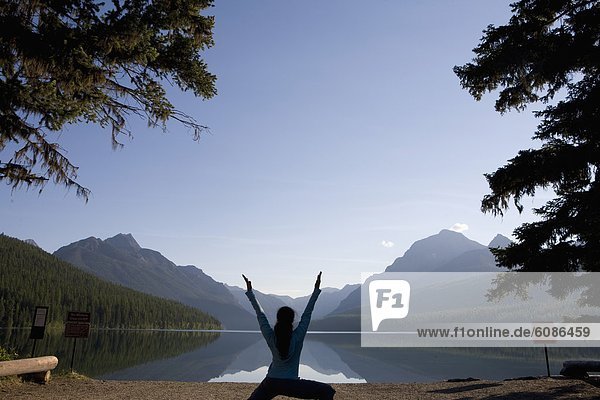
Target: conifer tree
[[88, 61], [547, 55]]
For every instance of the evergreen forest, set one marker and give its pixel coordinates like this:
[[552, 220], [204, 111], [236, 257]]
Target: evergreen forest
[[30, 277]]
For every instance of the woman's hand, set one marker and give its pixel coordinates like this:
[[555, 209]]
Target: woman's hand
[[248, 283], [318, 282]]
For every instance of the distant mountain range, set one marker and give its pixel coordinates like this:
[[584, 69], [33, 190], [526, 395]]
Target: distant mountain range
[[447, 251], [329, 300], [120, 259]]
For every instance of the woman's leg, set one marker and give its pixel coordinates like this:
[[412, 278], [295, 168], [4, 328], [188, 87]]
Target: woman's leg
[[264, 391], [307, 389]]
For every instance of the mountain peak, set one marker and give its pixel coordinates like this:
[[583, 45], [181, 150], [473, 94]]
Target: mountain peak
[[499, 241], [448, 232], [120, 259], [124, 241], [91, 243], [434, 251]]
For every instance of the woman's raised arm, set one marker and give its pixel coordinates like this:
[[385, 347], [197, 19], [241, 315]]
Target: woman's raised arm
[[248, 283], [306, 315], [263, 323]]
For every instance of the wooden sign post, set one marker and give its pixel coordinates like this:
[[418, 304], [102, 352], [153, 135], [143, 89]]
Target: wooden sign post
[[38, 326], [77, 326]]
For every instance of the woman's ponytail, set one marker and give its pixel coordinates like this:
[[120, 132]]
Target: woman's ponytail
[[283, 331]]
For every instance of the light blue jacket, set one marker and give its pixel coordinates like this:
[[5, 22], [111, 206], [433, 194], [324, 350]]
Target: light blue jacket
[[284, 368]]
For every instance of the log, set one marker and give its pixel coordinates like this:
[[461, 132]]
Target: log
[[579, 369], [37, 369]]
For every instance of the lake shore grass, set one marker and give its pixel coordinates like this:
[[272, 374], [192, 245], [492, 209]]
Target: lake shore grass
[[67, 388]]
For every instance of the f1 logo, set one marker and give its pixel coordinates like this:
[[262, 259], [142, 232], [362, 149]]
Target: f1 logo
[[389, 299]]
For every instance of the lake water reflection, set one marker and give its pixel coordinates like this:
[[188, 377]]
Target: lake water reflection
[[244, 357]]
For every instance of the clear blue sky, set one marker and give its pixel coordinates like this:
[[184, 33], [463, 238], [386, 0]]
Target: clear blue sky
[[339, 136]]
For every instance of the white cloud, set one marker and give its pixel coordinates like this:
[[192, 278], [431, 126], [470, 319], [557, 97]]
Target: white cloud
[[459, 227], [387, 243]]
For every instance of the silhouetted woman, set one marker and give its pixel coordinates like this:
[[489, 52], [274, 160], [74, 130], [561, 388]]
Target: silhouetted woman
[[285, 344]]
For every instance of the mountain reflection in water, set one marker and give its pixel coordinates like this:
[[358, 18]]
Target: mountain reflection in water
[[244, 357]]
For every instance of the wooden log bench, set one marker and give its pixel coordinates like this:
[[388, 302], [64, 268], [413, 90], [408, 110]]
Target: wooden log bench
[[36, 369], [579, 369]]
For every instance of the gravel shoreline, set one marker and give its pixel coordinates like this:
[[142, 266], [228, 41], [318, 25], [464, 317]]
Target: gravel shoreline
[[79, 389]]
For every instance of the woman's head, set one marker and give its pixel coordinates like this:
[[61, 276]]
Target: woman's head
[[285, 315], [283, 330]]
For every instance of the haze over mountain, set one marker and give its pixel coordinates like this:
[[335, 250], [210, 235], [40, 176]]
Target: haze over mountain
[[121, 260], [269, 303], [329, 300], [447, 251]]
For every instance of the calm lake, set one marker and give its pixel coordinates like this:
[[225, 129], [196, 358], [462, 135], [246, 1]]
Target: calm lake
[[243, 357]]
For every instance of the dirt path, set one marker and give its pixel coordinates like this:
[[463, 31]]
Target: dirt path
[[72, 389]]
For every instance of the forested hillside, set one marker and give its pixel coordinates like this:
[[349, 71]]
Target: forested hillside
[[121, 260], [30, 277]]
